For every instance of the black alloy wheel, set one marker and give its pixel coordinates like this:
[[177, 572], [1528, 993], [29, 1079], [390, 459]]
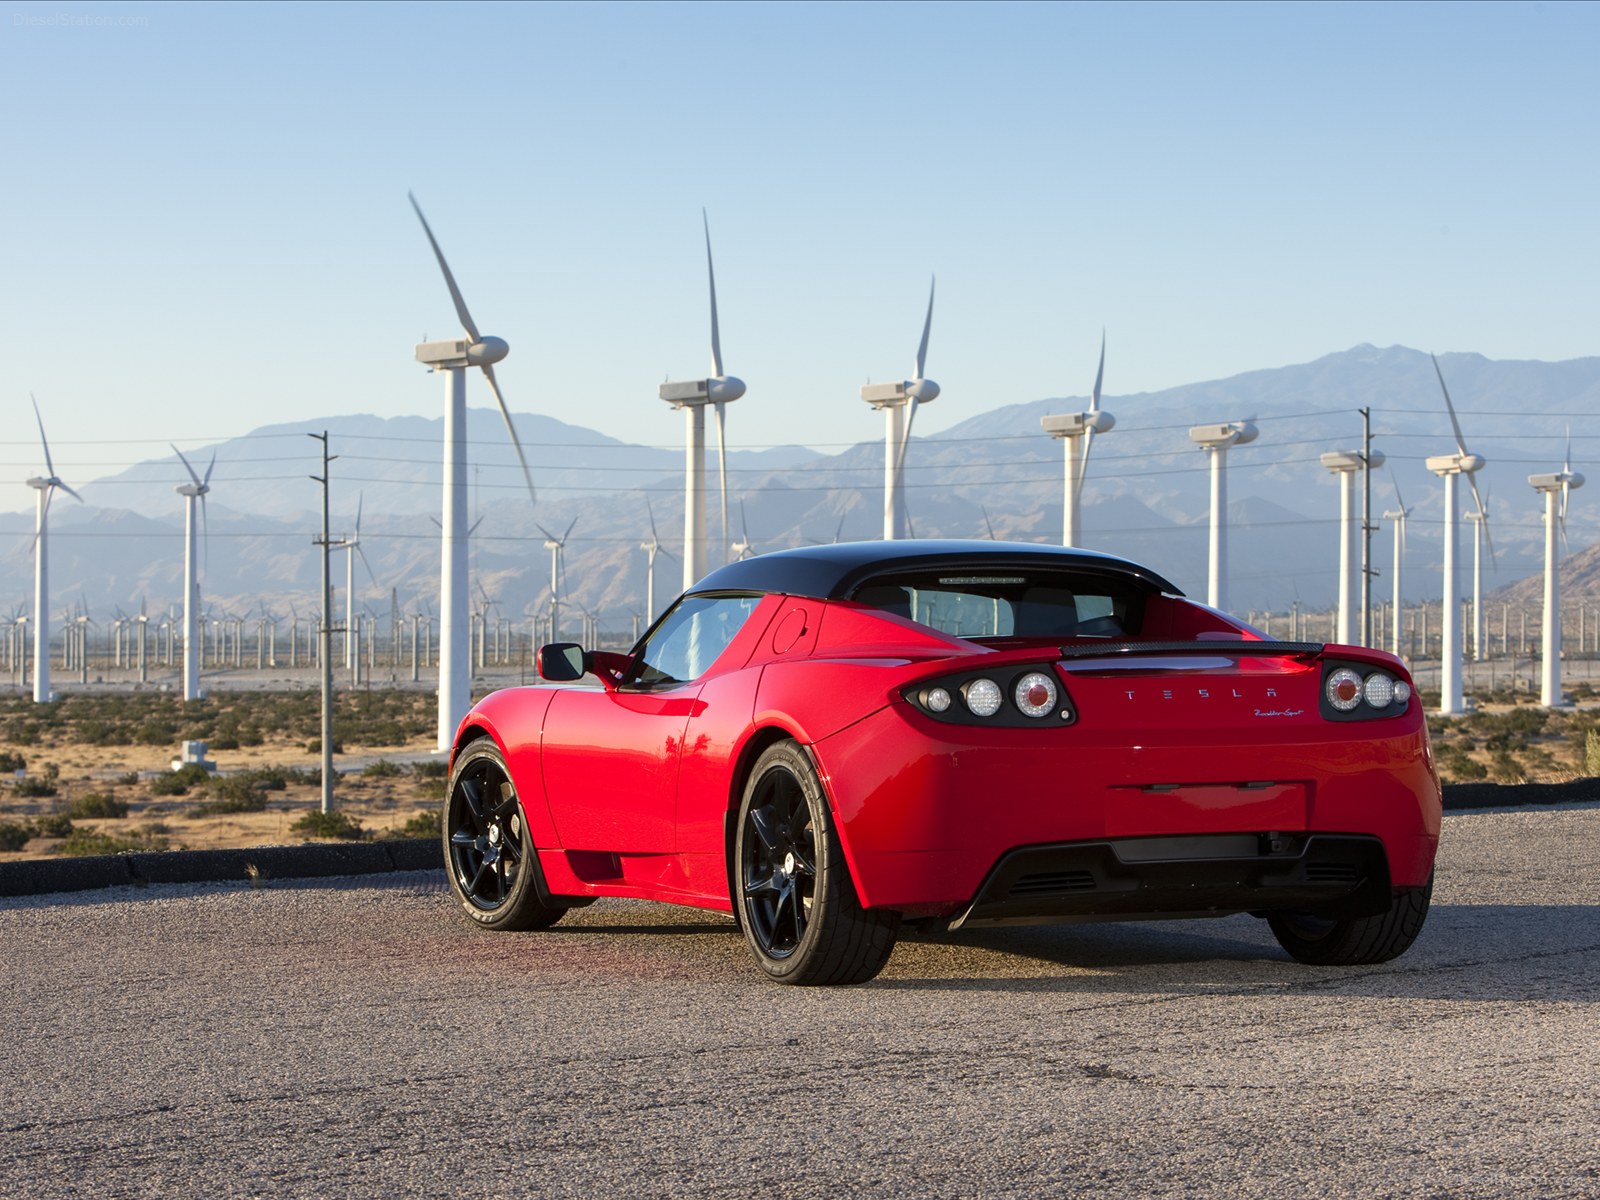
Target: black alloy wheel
[[778, 865], [793, 894], [488, 849]]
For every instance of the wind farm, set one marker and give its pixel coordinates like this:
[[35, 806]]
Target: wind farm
[[1212, 476]]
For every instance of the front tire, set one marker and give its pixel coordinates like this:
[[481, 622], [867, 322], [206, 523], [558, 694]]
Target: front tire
[[488, 849], [796, 902], [1355, 941]]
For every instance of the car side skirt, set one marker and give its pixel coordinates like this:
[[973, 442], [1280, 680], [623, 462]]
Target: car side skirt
[[1193, 876]]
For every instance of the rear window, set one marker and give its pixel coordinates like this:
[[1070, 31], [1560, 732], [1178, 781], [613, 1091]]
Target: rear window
[[1012, 604]]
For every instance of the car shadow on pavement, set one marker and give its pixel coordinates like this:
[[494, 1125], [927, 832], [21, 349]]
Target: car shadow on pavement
[[1469, 952]]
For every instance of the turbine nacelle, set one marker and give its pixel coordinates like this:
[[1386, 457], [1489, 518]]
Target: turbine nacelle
[[720, 389], [1078, 424], [1455, 464], [463, 352], [1222, 436], [1341, 461], [886, 395], [1554, 481]]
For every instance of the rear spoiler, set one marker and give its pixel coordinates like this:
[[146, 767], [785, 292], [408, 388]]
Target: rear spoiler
[[1217, 646]]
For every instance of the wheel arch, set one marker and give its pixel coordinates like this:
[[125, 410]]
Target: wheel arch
[[523, 763], [758, 741]]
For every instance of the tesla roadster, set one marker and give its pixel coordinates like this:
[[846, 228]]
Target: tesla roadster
[[835, 741]]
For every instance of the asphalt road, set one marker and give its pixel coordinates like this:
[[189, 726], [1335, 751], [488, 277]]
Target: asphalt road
[[357, 1038]]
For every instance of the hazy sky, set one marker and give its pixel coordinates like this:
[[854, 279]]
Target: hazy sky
[[207, 227]]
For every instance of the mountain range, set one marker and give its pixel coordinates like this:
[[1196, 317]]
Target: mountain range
[[996, 474]]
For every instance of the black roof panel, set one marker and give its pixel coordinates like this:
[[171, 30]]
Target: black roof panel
[[833, 572]]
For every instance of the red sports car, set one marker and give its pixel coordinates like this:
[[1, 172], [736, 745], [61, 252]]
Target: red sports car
[[833, 741]]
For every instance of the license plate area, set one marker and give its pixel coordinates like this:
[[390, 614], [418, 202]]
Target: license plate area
[[1163, 808]]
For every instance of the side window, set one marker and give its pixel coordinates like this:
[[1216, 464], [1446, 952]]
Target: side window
[[691, 637]]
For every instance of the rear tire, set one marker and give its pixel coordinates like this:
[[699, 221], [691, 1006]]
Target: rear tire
[[793, 895], [1355, 941], [488, 849]]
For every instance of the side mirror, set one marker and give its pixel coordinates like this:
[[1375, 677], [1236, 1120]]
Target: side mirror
[[560, 662]]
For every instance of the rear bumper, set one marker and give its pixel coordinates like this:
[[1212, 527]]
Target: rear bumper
[[928, 814], [1204, 875]]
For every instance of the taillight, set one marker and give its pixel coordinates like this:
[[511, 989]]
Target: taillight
[[1355, 692], [1025, 697]]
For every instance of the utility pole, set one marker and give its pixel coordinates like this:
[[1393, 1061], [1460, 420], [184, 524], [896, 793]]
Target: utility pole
[[325, 630], [1366, 527]]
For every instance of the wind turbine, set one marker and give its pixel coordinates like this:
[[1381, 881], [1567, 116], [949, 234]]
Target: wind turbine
[[743, 548], [193, 492], [1076, 431], [45, 484], [1480, 534], [1555, 513], [718, 390], [1449, 467], [557, 547], [1345, 464], [1398, 515], [651, 549], [1216, 441], [899, 403], [352, 548], [453, 356]]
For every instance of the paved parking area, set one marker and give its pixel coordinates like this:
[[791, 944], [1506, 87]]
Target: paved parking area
[[356, 1037]]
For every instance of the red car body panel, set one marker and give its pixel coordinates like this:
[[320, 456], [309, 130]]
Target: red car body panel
[[630, 792]]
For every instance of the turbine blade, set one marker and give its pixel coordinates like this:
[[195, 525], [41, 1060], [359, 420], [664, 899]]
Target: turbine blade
[[69, 491], [1099, 377], [927, 324], [186, 465], [716, 335], [1461, 442], [361, 499], [549, 537], [1566, 461], [905, 440], [494, 386], [49, 466], [362, 555], [987, 524], [450, 280], [652, 512], [1083, 466], [1400, 500], [212, 466], [568, 533], [722, 468]]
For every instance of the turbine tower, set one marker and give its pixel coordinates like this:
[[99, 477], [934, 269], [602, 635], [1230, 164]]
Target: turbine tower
[[1216, 441], [45, 485], [1449, 467], [193, 492], [899, 402], [719, 390], [1076, 431], [1345, 464], [1398, 515], [1555, 514], [453, 356], [1480, 534]]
